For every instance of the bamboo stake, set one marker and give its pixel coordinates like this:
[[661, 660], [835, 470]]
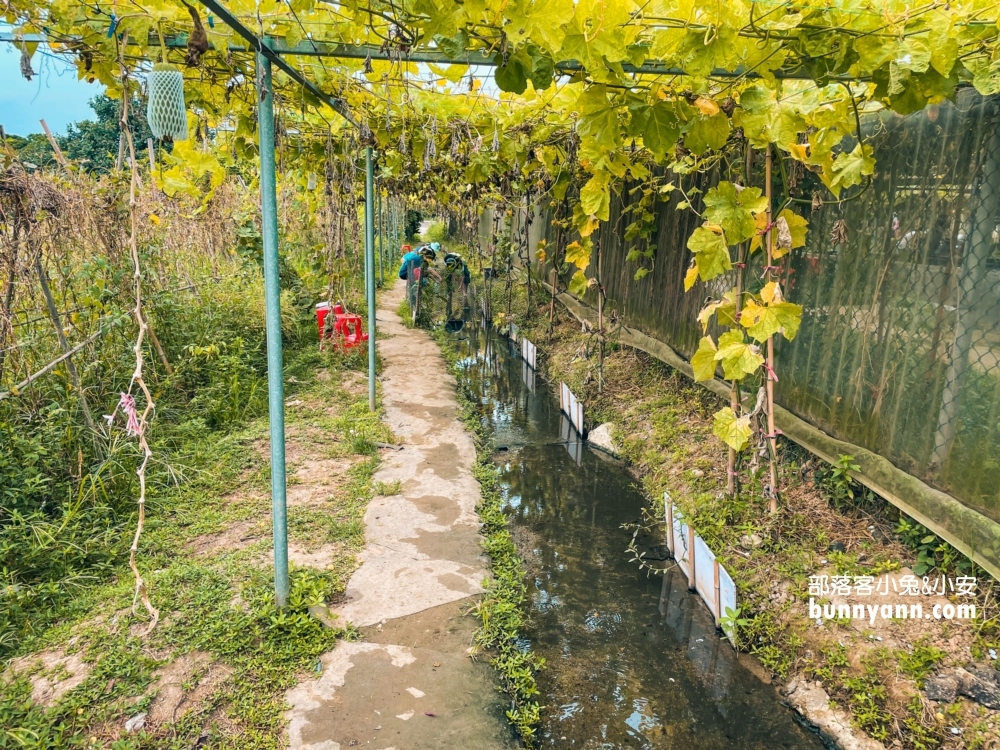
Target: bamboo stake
[[63, 344], [768, 378], [734, 391], [600, 323], [49, 367], [151, 151], [60, 157]]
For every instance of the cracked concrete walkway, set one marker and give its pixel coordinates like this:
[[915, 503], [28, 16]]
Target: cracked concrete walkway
[[410, 684]]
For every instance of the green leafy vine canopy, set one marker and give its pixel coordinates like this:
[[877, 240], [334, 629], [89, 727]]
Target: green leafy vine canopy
[[587, 98]]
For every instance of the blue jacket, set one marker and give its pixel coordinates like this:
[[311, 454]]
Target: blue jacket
[[412, 256]]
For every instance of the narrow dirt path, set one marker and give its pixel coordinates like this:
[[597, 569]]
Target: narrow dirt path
[[410, 684]]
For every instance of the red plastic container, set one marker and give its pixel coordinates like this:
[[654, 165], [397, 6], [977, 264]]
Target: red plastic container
[[347, 332], [322, 310]]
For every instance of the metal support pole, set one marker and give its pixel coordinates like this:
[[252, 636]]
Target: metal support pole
[[370, 271], [381, 236], [272, 298], [382, 231]]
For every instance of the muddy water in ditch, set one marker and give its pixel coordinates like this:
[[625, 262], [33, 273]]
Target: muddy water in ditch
[[633, 661]]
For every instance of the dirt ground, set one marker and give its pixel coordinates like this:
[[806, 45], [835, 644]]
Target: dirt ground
[[410, 684]]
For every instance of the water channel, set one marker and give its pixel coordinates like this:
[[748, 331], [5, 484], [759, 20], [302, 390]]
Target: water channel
[[634, 661]]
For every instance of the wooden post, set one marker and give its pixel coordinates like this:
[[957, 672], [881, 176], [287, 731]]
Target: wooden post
[[692, 586], [55, 145], [63, 344], [768, 379], [718, 594], [151, 152]]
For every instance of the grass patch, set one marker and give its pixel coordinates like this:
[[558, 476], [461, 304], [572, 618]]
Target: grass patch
[[205, 558], [501, 608]]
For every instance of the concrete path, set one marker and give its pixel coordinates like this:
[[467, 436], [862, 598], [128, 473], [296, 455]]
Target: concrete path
[[410, 683]]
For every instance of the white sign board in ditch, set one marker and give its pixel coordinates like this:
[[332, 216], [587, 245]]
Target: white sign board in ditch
[[570, 438], [529, 353], [706, 577], [727, 603], [698, 563], [528, 376], [571, 407]]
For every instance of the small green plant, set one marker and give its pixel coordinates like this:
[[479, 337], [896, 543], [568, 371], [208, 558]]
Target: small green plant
[[732, 622], [867, 696], [933, 553], [388, 488], [437, 231], [838, 482], [919, 662]]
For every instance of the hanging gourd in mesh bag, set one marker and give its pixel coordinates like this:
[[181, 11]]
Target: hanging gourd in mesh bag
[[165, 111]]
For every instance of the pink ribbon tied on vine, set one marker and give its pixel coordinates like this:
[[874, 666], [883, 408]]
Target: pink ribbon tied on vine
[[127, 405], [768, 269], [770, 372]]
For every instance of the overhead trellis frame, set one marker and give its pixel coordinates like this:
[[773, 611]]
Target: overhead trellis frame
[[277, 48]]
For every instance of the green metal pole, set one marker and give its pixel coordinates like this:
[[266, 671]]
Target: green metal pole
[[382, 227], [370, 275], [397, 240], [272, 297], [381, 237]]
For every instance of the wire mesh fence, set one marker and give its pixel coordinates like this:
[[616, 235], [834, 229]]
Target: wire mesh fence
[[899, 348]]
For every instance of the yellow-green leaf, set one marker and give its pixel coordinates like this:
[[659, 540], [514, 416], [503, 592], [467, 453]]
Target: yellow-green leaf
[[797, 225], [711, 252], [738, 358], [578, 284], [703, 360], [732, 430], [690, 277], [763, 321], [734, 209], [595, 196], [579, 254]]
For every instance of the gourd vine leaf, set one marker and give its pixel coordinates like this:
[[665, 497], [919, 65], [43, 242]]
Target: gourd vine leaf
[[578, 284], [711, 254], [578, 253], [733, 209], [660, 129], [703, 360], [763, 321], [738, 358], [595, 196], [850, 168], [706, 133], [798, 226], [725, 307], [732, 430]]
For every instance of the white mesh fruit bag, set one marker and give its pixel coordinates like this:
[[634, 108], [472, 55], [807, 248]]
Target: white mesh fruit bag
[[165, 112]]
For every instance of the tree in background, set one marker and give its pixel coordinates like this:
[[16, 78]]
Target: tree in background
[[93, 144], [413, 219]]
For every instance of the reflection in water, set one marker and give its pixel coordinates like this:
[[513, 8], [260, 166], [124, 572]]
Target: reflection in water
[[633, 661]]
